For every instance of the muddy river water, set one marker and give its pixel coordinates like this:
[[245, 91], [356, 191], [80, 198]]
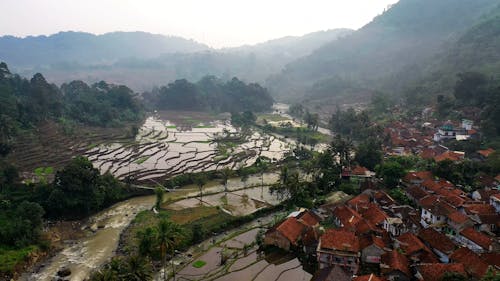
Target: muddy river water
[[92, 251]]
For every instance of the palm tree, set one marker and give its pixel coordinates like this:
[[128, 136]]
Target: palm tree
[[160, 192], [226, 173], [262, 166], [200, 180], [244, 176], [138, 269], [168, 235], [146, 241]]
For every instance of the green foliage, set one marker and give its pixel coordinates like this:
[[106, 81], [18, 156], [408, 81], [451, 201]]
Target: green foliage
[[244, 119], [399, 195], [354, 125], [369, 153], [199, 264], [391, 171], [213, 94], [130, 268], [23, 104], [349, 188], [159, 192], [79, 190], [11, 258]]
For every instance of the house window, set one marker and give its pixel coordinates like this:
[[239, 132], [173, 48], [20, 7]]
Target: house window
[[438, 218]]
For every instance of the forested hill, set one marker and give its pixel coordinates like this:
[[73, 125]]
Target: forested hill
[[210, 94], [142, 60], [25, 103], [79, 47], [403, 36], [476, 50]]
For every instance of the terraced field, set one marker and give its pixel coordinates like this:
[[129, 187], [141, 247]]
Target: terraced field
[[163, 149]]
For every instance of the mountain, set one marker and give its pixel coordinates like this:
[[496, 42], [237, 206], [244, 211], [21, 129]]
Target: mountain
[[141, 60], [475, 50], [408, 33], [80, 47]]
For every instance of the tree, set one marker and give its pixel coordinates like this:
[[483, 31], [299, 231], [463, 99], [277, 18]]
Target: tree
[[138, 269], [200, 180], [225, 174], [491, 275], [262, 166], [369, 153], [160, 192], [146, 241], [391, 172], [244, 174], [342, 148], [198, 233], [168, 236]]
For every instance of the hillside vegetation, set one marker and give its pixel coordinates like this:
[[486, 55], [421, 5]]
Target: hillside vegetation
[[382, 54]]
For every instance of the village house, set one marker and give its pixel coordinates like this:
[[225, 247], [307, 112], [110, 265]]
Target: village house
[[372, 247], [434, 212], [475, 266], [332, 273], [484, 216], [339, 247], [394, 266], [286, 234], [414, 249], [300, 226], [436, 271], [457, 222], [474, 240], [439, 243], [495, 202]]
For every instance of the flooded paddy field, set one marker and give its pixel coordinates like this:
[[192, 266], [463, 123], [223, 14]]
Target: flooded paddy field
[[163, 148], [243, 262]]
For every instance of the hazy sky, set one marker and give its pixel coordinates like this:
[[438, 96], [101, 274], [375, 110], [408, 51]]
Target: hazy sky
[[218, 23]]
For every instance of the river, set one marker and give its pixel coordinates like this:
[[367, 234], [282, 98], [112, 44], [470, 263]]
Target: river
[[94, 250]]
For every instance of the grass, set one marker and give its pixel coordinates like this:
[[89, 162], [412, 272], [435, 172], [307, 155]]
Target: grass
[[199, 264], [141, 160], [171, 127], [9, 259], [186, 216]]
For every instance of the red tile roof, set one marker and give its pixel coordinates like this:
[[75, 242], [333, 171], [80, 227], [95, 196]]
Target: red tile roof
[[416, 192], [437, 240], [359, 171], [308, 218], [457, 217], [450, 155], [475, 265], [339, 239], [410, 243], [418, 176], [368, 240], [477, 237], [435, 271], [396, 261], [479, 209], [291, 229], [369, 277], [347, 216], [364, 226], [492, 259], [374, 214], [486, 152], [359, 201]]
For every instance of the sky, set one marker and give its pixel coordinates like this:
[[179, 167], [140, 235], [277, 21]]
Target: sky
[[217, 23]]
